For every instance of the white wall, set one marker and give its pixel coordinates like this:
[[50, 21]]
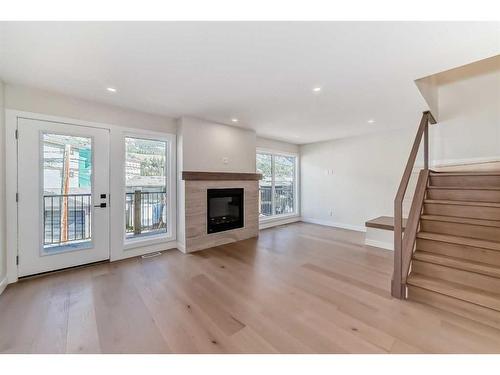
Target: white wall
[[3, 254], [39, 101], [469, 122], [367, 169], [207, 146], [346, 182], [429, 89], [270, 144]]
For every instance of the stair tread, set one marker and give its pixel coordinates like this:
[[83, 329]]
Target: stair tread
[[462, 203], [466, 173], [458, 263], [473, 242], [461, 220], [458, 291], [463, 187]]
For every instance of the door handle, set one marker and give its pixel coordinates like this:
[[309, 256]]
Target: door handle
[[102, 205]]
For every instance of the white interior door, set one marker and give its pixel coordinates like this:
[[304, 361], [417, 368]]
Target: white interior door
[[63, 202]]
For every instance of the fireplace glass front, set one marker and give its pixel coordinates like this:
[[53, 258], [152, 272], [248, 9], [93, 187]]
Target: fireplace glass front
[[224, 209]]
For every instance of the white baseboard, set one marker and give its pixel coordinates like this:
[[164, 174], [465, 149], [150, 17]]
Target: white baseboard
[[3, 284], [382, 238], [276, 222], [181, 247], [383, 245], [334, 224]]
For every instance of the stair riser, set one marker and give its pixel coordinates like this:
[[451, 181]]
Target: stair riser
[[456, 306], [463, 230], [474, 212], [465, 181], [464, 195], [466, 278], [475, 254]]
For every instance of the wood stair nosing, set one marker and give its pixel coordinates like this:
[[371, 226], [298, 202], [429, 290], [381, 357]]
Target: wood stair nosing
[[461, 203], [465, 173], [450, 187], [461, 220], [463, 194], [458, 240], [472, 210], [471, 230], [466, 181]]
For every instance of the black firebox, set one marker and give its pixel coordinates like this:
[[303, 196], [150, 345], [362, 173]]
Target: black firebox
[[224, 209]]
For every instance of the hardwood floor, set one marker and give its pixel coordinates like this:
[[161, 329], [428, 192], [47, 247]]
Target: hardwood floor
[[300, 288]]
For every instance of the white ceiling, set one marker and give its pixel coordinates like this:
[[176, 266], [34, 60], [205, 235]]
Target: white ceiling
[[262, 73]]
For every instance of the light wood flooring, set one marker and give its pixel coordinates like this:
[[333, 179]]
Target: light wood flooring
[[300, 288]]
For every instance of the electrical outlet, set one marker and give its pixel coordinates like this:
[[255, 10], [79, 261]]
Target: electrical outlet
[[331, 212], [225, 160]]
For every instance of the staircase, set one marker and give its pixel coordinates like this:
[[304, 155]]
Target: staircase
[[456, 262]]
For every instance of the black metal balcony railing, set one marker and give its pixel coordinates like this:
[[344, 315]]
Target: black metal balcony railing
[[283, 200], [72, 227], [146, 208]]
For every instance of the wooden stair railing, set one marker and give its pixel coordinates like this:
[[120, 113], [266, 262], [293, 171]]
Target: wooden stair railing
[[403, 246]]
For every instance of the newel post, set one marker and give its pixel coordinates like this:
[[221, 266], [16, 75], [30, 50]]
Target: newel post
[[398, 290]]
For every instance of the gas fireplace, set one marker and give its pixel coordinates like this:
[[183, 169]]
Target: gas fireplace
[[224, 209]]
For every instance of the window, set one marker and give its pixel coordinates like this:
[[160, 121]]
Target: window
[[67, 192], [278, 186], [146, 187]]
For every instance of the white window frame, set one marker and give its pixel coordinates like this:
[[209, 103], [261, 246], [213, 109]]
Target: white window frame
[[296, 185], [170, 179]]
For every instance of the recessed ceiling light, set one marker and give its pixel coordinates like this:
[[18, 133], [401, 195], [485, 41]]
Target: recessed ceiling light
[[371, 121], [111, 89], [317, 89], [234, 120]]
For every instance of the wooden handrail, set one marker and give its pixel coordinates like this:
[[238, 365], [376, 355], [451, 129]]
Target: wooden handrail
[[403, 252]]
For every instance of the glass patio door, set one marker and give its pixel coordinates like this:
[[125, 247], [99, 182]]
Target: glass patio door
[[63, 202]]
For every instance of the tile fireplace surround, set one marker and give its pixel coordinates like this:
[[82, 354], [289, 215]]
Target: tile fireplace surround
[[196, 186]]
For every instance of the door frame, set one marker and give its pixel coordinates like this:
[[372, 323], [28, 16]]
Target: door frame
[[11, 179], [117, 249]]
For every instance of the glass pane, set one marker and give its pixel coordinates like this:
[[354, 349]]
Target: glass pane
[[264, 166], [146, 188], [284, 182], [67, 191]]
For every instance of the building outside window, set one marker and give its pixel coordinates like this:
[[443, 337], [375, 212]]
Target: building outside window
[[146, 187], [278, 187]]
